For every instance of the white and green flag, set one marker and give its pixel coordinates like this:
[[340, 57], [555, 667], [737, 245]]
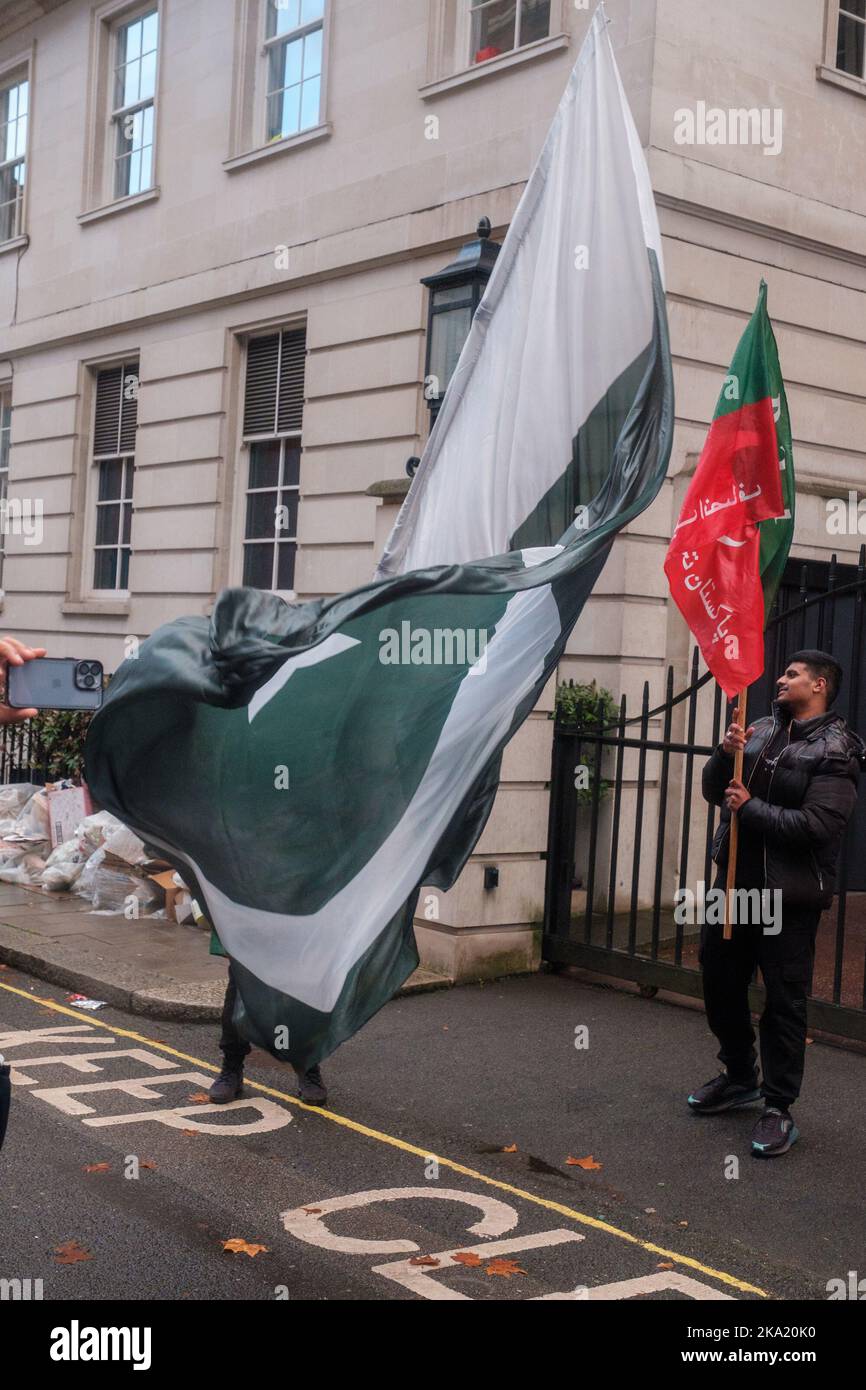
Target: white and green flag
[[309, 766]]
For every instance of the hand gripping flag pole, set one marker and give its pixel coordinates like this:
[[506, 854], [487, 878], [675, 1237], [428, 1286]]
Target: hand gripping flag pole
[[733, 842]]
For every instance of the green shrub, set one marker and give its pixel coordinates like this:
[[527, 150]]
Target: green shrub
[[57, 748], [577, 707]]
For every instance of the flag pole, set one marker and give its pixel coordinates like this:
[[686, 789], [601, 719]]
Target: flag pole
[[740, 718]]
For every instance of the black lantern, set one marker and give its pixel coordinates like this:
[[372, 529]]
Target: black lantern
[[455, 293]]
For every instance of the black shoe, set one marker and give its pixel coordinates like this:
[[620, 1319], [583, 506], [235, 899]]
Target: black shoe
[[722, 1094], [229, 1085], [774, 1133], [311, 1087]]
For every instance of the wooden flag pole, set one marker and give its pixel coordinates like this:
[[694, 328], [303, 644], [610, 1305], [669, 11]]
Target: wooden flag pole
[[740, 717]]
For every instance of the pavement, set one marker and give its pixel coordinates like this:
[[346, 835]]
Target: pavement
[[454, 1126], [149, 966]]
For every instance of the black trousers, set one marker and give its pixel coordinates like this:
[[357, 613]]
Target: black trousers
[[233, 1047], [786, 962]]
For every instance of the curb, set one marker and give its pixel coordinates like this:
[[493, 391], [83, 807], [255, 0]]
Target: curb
[[149, 1003]]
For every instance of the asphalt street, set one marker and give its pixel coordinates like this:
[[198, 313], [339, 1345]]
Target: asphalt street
[[452, 1119]]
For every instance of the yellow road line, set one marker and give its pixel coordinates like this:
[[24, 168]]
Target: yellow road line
[[355, 1125]]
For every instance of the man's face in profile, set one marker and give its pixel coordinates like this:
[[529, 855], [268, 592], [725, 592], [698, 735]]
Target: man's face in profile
[[796, 686]]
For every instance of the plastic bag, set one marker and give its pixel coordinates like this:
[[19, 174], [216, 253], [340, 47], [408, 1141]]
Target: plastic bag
[[125, 844], [63, 866], [86, 879], [94, 830], [12, 798], [112, 889]]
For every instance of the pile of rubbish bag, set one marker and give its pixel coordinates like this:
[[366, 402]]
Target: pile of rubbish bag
[[102, 860]]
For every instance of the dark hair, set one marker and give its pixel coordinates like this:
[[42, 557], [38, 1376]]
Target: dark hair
[[821, 664]]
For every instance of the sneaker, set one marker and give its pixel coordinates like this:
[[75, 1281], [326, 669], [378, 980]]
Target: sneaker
[[774, 1133], [722, 1094], [311, 1087], [229, 1085]]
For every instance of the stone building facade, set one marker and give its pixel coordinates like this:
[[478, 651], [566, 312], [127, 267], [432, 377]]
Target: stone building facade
[[215, 217]]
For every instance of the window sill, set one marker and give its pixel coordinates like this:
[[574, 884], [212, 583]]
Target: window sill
[[98, 607], [16, 243], [121, 205], [294, 142], [838, 78], [477, 71]]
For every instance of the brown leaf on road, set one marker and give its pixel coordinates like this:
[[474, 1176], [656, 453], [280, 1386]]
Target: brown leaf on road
[[682, 1223], [504, 1268], [664, 1264], [588, 1163], [199, 1098], [243, 1247], [190, 1131], [424, 1260], [97, 1167], [146, 1163], [71, 1253], [467, 1257], [312, 1211], [509, 1149]]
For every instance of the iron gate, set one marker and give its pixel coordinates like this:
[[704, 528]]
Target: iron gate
[[619, 847]]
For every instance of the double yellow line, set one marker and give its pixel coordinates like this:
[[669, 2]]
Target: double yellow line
[[354, 1125]]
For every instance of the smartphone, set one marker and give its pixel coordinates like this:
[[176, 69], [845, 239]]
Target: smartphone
[[55, 683]]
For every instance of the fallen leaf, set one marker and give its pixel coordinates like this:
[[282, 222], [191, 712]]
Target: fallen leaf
[[71, 1253], [682, 1223], [243, 1247], [146, 1163], [504, 1268], [467, 1257], [199, 1098], [312, 1211], [664, 1264], [588, 1163], [190, 1131], [509, 1149], [97, 1167], [424, 1260]]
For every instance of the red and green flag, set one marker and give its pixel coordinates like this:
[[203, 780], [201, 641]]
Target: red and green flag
[[731, 543]]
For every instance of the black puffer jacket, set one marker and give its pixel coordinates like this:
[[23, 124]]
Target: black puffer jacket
[[811, 796]]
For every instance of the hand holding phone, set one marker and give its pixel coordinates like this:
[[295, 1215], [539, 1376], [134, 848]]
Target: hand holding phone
[[13, 654], [55, 683]]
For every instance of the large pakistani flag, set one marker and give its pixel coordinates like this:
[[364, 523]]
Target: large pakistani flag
[[309, 766]]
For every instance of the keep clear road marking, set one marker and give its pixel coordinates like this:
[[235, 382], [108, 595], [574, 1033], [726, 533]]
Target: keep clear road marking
[[356, 1127]]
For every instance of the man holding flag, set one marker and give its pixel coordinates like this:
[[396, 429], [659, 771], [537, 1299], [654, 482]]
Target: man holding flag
[[790, 779]]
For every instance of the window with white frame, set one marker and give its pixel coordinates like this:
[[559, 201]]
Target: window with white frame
[[294, 32], [115, 423], [500, 26], [14, 110], [5, 434], [273, 417], [851, 38], [136, 44]]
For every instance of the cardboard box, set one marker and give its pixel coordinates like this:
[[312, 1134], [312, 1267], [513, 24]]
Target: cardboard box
[[172, 891], [67, 808]]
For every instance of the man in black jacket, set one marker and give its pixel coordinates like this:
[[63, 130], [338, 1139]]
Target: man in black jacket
[[799, 789]]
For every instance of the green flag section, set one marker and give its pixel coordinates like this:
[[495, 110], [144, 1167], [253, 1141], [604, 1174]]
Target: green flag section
[[776, 533], [732, 539], [308, 767]]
